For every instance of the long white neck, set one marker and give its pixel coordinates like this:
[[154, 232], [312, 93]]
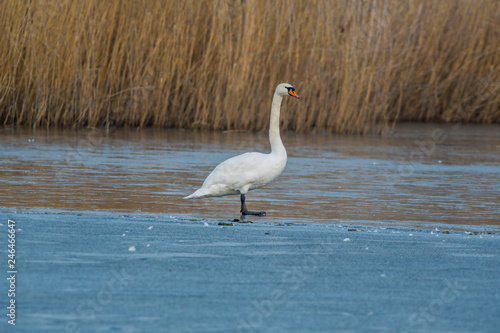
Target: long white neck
[[277, 146]]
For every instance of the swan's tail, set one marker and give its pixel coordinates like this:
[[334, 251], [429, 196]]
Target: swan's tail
[[196, 195]]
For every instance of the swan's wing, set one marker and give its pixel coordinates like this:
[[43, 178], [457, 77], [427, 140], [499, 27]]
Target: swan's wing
[[237, 170], [240, 174]]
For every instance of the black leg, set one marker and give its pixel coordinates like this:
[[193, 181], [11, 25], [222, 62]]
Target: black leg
[[245, 211]]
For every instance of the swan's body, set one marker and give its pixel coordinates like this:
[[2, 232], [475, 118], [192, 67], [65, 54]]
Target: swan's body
[[249, 171], [240, 174]]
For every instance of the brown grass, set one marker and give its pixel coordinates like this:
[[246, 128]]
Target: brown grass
[[358, 65]]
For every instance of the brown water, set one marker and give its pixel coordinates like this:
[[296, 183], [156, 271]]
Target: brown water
[[421, 175]]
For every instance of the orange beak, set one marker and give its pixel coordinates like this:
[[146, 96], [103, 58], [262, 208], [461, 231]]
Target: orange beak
[[294, 94]]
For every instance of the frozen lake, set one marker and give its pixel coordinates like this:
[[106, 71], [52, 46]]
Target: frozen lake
[[380, 234], [418, 177]]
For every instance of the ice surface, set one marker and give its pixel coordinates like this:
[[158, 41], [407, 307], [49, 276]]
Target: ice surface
[[262, 276]]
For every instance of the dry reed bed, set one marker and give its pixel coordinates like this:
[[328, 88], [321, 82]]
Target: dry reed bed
[[358, 65]]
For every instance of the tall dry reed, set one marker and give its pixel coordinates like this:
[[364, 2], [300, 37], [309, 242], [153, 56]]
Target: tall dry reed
[[358, 65]]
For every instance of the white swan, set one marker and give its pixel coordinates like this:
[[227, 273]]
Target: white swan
[[249, 171]]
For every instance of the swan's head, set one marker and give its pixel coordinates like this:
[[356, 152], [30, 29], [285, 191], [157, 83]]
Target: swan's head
[[286, 89]]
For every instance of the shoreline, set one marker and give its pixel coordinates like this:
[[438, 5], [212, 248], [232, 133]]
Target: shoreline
[[270, 220]]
